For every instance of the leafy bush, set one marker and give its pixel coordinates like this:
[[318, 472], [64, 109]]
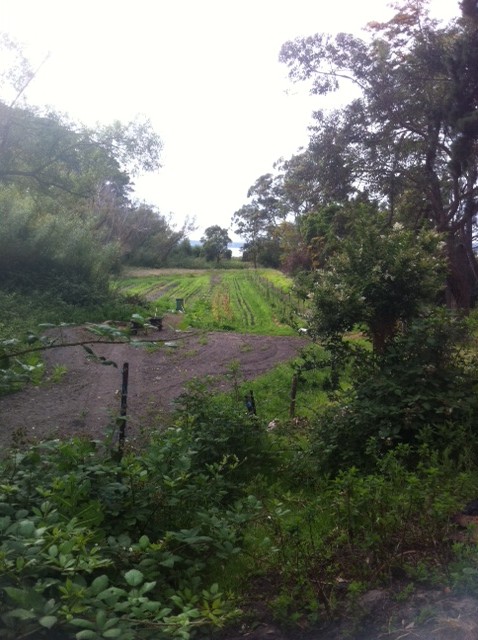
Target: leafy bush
[[378, 276], [222, 431], [98, 548], [362, 529], [422, 387], [58, 253]]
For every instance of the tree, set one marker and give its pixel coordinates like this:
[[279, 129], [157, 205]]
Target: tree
[[65, 215], [214, 243], [410, 139], [43, 149], [55, 251], [149, 238], [48, 153], [376, 276], [258, 220]]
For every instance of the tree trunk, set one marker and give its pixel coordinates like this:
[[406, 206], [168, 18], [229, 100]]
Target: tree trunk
[[462, 279], [382, 331]]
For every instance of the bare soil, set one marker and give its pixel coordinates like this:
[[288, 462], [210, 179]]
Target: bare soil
[[86, 398]]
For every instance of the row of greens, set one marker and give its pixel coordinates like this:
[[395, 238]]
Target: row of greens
[[238, 300]]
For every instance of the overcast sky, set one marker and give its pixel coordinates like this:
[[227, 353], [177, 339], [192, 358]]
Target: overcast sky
[[205, 72]]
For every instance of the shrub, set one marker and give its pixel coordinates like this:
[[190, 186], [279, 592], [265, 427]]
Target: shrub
[[423, 386], [95, 548], [222, 430]]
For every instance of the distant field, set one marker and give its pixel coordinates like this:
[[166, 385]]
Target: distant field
[[249, 301]]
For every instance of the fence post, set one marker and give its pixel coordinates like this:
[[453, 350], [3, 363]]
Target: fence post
[[121, 422], [293, 393], [251, 403]]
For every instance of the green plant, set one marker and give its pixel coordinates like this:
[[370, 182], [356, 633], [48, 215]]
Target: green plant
[[463, 569], [220, 299], [234, 369], [98, 548], [59, 371], [417, 391], [222, 430]]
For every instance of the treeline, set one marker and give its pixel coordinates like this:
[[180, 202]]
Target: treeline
[[67, 215], [404, 151]]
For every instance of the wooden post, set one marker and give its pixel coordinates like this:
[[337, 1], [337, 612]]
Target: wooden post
[[121, 422], [293, 393], [253, 403]]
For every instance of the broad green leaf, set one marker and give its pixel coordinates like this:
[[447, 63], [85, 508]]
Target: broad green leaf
[[100, 618], [99, 584], [86, 634], [27, 598], [21, 614], [134, 577], [26, 528], [112, 633], [111, 593], [48, 621], [144, 542], [124, 540], [80, 622]]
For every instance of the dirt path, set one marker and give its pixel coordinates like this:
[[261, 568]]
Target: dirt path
[[87, 397]]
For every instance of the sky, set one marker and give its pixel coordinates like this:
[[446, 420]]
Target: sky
[[205, 72]]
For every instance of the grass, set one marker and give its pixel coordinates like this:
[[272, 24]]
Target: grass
[[272, 392]]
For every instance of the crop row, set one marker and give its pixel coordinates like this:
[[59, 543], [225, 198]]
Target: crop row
[[216, 300]]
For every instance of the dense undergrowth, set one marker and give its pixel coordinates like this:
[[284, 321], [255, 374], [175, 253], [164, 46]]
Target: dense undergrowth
[[171, 540], [309, 508]]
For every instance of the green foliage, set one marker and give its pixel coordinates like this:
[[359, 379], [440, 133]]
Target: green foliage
[[222, 431], [272, 390], [408, 141], [257, 221], [102, 549], [160, 544], [377, 276], [65, 215], [357, 530], [423, 387], [147, 238], [237, 300], [278, 279], [51, 252], [214, 243]]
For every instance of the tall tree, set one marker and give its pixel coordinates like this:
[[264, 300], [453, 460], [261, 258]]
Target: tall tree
[[40, 148], [65, 214], [374, 275], [214, 243], [410, 139], [258, 220]]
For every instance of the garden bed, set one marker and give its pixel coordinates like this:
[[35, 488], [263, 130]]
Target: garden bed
[[86, 398]]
